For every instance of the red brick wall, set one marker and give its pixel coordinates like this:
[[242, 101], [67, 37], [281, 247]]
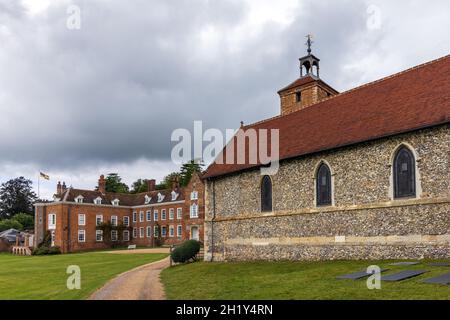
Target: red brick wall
[[188, 223], [66, 232]]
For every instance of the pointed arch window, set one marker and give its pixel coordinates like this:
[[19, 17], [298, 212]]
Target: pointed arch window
[[404, 174], [323, 185], [266, 194]]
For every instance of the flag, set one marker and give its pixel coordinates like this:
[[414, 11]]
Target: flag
[[45, 176]]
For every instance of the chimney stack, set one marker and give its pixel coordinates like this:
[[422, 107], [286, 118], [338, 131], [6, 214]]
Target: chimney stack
[[59, 188], [63, 187], [102, 184], [151, 184]]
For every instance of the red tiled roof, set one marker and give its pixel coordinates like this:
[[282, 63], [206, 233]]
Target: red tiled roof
[[410, 100]]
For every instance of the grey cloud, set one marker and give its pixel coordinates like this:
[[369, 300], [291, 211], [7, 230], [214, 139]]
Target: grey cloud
[[113, 91]]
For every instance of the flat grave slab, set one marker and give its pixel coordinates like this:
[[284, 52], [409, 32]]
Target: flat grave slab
[[357, 275], [402, 275], [442, 279], [440, 264], [404, 263]]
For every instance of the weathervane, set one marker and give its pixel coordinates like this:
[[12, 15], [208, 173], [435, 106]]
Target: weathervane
[[309, 42]]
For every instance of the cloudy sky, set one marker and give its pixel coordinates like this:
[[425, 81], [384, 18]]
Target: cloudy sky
[[105, 97]]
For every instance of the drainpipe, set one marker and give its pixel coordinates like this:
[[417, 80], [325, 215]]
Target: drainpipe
[[68, 228]]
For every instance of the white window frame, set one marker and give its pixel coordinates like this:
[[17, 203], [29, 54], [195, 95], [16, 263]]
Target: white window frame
[[79, 199], [51, 221], [134, 216], [163, 231], [163, 214], [127, 238], [179, 230], [135, 233], [179, 213], [98, 200], [126, 221], [114, 221], [174, 195], [155, 231], [97, 218], [160, 197], [149, 215], [171, 213], [149, 231], [147, 199], [141, 216], [98, 233], [155, 215], [141, 232], [194, 195], [115, 202], [171, 231], [193, 213], [116, 237], [82, 232], [81, 219]]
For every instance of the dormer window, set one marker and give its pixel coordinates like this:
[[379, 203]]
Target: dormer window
[[79, 199], [115, 202], [147, 199], [194, 195], [98, 200], [174, 195], [298, 96], [160, 197]]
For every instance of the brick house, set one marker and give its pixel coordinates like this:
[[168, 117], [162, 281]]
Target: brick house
[[153, 218], [363, 174]]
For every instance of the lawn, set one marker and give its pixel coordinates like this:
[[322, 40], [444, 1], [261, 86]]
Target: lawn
[[44, 277], [294, 280]]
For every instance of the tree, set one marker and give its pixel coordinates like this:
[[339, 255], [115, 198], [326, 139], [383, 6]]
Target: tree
[[114, 184], [140, 185], [10, 224], [25, 219], [188, 169], [16, 195]]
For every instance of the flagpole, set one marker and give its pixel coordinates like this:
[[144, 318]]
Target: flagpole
[[39, 185]]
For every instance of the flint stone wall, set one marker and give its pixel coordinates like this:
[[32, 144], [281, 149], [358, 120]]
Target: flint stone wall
[[364, 221]]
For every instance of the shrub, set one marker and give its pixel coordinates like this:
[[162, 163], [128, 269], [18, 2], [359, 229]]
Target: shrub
[[43, 250], [186, 251]]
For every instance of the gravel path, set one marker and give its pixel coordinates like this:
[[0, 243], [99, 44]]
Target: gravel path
[[141, 283]]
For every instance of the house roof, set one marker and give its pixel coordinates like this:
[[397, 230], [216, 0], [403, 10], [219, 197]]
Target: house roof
[[10, 234], [410, 100], [124, 199]]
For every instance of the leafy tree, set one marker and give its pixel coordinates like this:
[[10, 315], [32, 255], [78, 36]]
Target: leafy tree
[[188, 169], [10, 224], [140, 185], [16, 195], [114, 184], [26, 220]]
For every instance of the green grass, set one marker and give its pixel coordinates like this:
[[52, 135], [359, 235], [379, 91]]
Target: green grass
[[44, 277], [294, 280]]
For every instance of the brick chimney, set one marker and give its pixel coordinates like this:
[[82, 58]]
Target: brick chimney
[[151, 184], [102, 184], [63, 187], [59, 188]]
